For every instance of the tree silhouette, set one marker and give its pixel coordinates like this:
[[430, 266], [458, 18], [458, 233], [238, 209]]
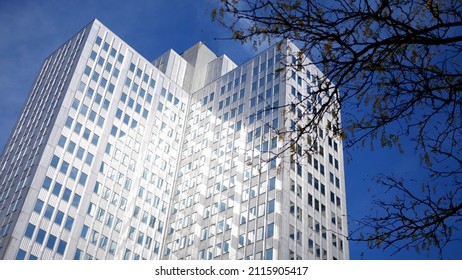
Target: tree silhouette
[[394, 68]]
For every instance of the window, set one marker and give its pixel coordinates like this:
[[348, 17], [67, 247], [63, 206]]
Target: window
[[69, 222], [111, 86], [272, 163], [89, 158], [136, 212], [100, 121], [114, 130], [49, 211], [91, 209], [310, 178], [84, 110], [30, 230], [103, 242], [98, 41], [94, 236], [140, 238], [118, 225], [270, 208], [73, 173], [21, 255], [40, 236], [78, 254], [76, 200], [75, 103], [89, 94], [123, 203], [270, 230], [62, 141], [100, 214], [46, 183], [291, 232], [115, 199], [131, 233], [109, 220], [80, 153], [51, 242], [61, 247], [144, 219], [59, 217], [54, 162], [83, 179], [67, 194], [292, 208], [57, 189], [141, 192], [269, 254], [128, 183], [112, 247], [299, 169], [64, 167], [69, 122], [95, 139]]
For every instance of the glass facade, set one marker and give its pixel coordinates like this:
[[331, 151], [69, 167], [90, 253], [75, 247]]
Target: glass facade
[[116, 157]]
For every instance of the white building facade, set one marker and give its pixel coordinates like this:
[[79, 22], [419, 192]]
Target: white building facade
[[117, 157]]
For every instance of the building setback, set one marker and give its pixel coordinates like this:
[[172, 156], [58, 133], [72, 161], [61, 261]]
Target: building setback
[[117, 157]]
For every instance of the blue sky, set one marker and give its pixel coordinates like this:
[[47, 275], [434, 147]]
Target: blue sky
[[31, 30]]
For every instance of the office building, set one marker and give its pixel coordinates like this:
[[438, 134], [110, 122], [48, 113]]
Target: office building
[[118, 157]]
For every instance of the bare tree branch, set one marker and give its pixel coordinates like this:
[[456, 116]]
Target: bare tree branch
[[394, 69]]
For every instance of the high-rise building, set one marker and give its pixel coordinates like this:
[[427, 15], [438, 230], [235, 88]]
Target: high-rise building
[[117, 157]]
